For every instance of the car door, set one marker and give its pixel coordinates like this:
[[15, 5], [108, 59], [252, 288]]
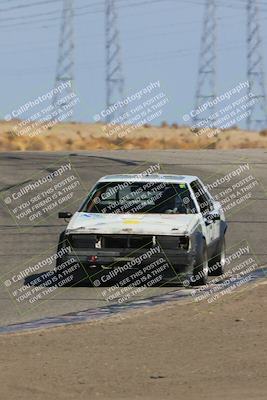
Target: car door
[[217, 209], [205, 206]]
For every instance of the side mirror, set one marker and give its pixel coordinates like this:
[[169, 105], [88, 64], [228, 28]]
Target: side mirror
[[64, 215], [212, 216], [215, 216]]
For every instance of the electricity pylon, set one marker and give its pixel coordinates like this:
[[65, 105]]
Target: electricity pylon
[[206, 85], [65, 63], [114, 76], [257, 117]]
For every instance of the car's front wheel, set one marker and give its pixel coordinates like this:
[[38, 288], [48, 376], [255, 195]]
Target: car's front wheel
[[217, 263], [201, 266]]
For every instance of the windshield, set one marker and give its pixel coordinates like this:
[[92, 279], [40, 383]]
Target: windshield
[[139, 197]]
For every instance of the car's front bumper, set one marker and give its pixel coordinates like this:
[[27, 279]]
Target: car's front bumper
[[118, 264], [114, 256]]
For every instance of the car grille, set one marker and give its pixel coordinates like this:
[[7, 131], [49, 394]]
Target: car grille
[[127, 241], [87, 241], [110, 241]]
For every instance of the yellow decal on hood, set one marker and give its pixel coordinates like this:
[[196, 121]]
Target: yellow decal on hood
[[131, 221]]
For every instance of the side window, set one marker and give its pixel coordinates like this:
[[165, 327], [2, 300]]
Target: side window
[[204, 201], [186, 199], [206, 195]]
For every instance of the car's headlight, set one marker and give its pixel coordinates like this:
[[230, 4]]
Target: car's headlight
[[83, 241], [173, 242]]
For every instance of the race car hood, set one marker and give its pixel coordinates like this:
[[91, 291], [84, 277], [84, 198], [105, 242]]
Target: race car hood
[[155, 224]]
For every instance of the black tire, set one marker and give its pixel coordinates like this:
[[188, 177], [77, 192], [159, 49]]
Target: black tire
[[60, 240], [217, 263], [59, 260], [201, 266], [79, 276]]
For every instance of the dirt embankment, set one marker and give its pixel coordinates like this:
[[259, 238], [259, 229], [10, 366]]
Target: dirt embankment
[[195, 351], [78, 136]]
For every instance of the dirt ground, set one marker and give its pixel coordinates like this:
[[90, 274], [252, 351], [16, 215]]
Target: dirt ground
[[176, 351]]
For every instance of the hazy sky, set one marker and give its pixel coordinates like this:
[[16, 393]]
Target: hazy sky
[[160, 41]]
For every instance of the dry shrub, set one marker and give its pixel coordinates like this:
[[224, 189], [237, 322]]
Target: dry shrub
[[164, 124], [211, 146], [249, 145], [38, 143], [263, 133], [69, 142]]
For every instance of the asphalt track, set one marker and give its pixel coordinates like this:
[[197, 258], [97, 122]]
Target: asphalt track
[[246, 222]]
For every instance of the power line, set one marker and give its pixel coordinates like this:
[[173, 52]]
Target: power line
[[76, 14], [21, 6], [47, 13]]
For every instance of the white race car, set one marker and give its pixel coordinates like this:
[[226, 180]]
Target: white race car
[[169, 216]]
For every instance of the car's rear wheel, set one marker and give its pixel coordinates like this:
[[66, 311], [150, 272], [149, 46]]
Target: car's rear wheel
[[217, 263], [201, 267]]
